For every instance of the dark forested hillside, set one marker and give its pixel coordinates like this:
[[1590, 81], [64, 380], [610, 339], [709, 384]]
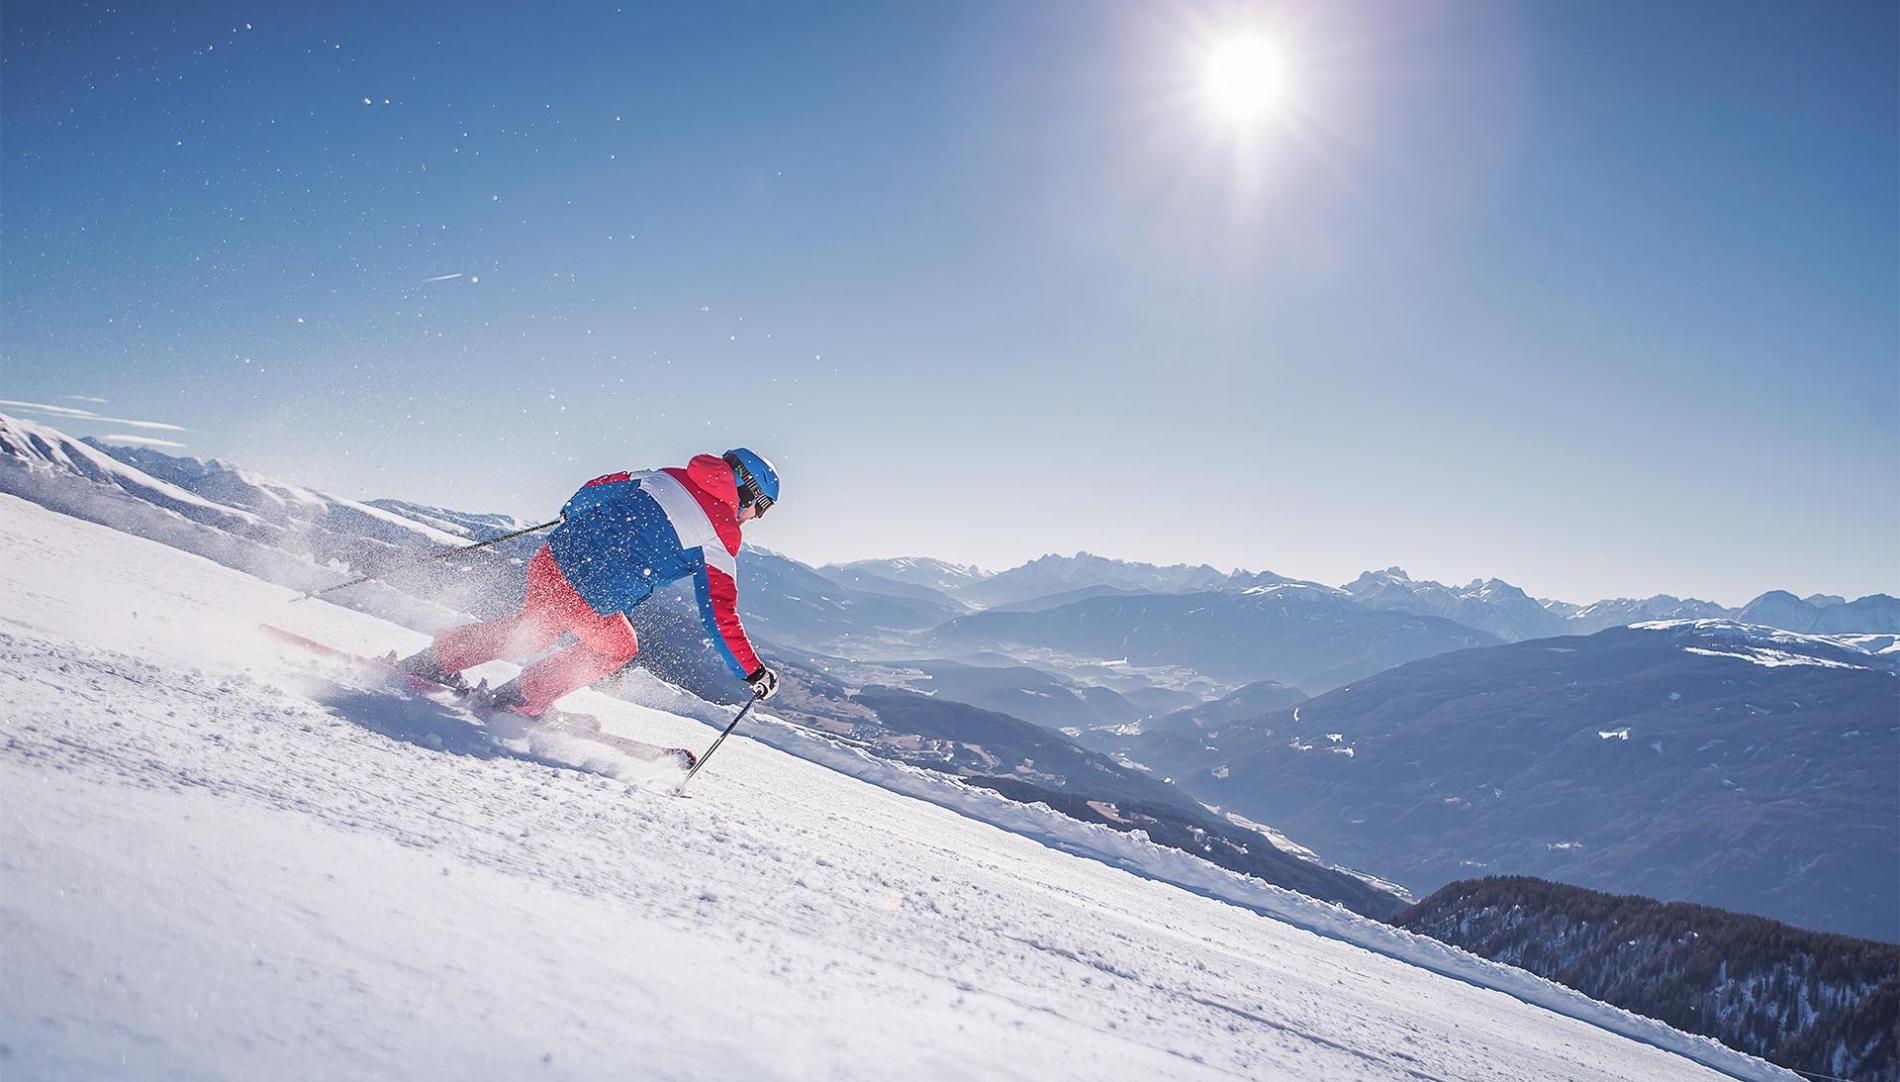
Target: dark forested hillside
[[1738, 767], [1814, 1001]]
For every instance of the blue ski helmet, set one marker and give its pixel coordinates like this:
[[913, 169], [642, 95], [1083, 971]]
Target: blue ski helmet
[[757, 480]]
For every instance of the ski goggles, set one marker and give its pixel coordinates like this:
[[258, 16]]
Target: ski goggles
[[753, 495], [750, 494]]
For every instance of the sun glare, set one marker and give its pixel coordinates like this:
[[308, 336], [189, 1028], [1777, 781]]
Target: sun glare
[[1244, 79]]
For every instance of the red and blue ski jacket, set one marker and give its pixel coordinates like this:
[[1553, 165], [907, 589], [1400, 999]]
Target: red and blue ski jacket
[[626, 534]]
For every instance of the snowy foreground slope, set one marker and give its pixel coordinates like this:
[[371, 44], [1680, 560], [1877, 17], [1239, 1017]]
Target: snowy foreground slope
[[220, 859]]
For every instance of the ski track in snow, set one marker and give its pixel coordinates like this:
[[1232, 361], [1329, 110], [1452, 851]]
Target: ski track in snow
[[220, 858]]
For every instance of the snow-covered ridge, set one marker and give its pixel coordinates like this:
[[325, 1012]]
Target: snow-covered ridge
[[45, 467], [1279, 586], [929, 566], [1506, 611], [215, 493], [1773, 646], [919, 571], [28, 445], [284, 503], [213, 838]]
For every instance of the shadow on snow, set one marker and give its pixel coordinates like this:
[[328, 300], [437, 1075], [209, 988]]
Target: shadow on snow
[[439, 727], [424, 723]]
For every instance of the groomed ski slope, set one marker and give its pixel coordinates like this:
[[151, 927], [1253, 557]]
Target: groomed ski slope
[[219, 859]]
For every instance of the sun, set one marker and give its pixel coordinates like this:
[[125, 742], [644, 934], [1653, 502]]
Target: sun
[[1244, 79]]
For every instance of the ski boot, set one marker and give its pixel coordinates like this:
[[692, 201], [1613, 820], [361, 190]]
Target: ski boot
[[506, 697], [423, 666]]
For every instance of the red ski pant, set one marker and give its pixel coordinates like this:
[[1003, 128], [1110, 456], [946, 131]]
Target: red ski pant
[[606, 643]]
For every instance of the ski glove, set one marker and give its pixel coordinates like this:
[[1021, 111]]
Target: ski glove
[[764, 683]]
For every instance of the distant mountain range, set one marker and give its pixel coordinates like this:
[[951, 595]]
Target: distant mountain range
[[789, 600], [870, 582], [1823, 615], [1824, 1004], [1489, 605], [937, 575], [1061, 574], [1706, 761], [1511, 615], [1508, 612], [1622, 611], [1313, 637]]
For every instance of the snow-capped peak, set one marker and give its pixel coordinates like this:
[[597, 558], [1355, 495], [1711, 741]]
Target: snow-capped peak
[[35, 447]]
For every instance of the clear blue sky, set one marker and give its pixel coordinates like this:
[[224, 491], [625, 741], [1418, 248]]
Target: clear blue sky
[[1599, 297]]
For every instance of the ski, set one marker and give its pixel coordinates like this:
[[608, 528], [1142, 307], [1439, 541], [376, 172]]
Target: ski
[[587, 727], [427, 688]]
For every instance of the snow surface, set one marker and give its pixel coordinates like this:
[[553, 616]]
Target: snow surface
[[221, 858], [1278, 586], [1769, 659], [1773, 647]]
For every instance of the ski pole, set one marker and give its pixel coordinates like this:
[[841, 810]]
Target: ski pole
[[743, 711], [439, 556]]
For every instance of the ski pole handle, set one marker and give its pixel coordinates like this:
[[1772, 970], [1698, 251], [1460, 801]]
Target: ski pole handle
[[441, 556]]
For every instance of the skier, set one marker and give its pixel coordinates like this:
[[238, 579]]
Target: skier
[[621, 537]]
